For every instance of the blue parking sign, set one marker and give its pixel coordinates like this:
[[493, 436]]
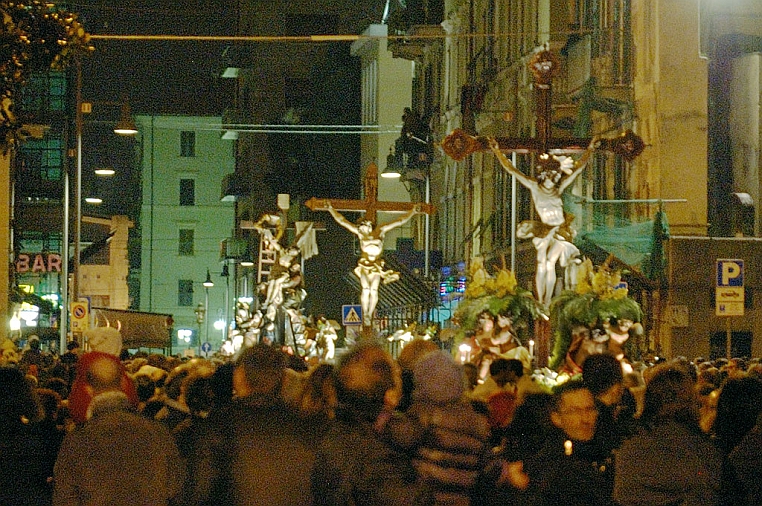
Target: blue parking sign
[[729, 272]]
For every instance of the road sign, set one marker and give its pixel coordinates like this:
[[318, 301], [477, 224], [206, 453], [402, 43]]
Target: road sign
[[729, 292], [206, 347], [80, 316], [729, 272], [351, 314]]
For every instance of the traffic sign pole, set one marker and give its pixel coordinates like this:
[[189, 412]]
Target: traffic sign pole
[[729, 295]]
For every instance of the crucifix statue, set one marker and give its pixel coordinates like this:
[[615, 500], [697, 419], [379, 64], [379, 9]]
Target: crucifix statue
[[370, 266], [552, 236]]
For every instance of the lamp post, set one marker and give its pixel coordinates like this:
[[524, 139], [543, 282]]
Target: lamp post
[[226, 274], [125, 126], [200, 313], [208, 283], [392, 171]]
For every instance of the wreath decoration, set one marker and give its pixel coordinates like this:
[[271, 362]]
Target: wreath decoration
[[36, 36], [599, 297], [497, 294]]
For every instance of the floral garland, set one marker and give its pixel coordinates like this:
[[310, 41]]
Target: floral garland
[[499, 294], [599, 297]]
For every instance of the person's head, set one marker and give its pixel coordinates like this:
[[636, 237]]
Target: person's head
[[602, 373], [505, 370], [414, 351], [367, 381], [319, 392], [574, 411], [145, 387], [260, 369], [72, 346], [104, 375], [438, 378], [17, 397], [50, 401], [34, 343], [222, 383], [670, 396], [58, 385], [738, 406], [198, 393]]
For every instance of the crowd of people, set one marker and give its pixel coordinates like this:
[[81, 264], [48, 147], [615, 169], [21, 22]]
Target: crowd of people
[[267, 428]]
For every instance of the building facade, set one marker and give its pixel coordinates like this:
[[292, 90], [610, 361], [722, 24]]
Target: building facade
[[183, 223], [661, 69]]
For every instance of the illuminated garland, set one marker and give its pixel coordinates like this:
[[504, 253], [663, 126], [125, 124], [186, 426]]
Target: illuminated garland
[[36, 37]]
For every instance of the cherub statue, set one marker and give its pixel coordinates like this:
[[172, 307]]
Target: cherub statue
[[326, 340]]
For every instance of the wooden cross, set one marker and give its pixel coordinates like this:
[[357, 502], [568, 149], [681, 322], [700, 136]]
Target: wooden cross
[[459, 144], [370, 270], [371, 205]]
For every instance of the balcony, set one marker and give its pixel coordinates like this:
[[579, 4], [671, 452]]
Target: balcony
[[415, 27]]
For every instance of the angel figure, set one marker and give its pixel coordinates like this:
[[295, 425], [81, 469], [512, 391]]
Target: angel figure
[[370, 267], [553, 235]]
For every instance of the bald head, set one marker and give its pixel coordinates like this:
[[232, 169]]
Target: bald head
[[104, 374]]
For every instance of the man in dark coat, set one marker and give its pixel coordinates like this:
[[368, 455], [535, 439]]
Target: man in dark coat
[[354, 464], [255, 449], [570, 469], [117, 457]]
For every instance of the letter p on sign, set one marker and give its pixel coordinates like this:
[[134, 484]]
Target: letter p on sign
[[729, 272]]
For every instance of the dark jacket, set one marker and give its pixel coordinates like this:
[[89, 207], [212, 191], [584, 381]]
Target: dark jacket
[[581, 478], [667, 463], [254, 450], [745, 462], [26, 465], [354, 466], [117, 458]]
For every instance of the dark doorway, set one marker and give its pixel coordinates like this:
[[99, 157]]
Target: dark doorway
[[740, 344]]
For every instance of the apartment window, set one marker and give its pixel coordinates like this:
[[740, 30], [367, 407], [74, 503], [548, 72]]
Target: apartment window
[[187, 192], [185, 243], [187, 144], [185, 292]]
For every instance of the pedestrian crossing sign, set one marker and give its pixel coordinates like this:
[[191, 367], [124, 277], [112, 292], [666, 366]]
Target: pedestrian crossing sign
[[351, 314]]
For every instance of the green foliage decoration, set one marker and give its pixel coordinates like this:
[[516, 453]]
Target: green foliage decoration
[[497, 295], [599, 297]]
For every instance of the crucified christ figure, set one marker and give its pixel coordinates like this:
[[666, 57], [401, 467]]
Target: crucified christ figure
[[553, 236], [370, 267]]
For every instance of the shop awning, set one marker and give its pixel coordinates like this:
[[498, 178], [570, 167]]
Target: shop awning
[[138, 329]]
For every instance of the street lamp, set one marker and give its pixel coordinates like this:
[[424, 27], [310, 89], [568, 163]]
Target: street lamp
[[125, 126], [226, 274], [200, 313], [392, 172], [208, 283]]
